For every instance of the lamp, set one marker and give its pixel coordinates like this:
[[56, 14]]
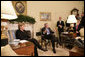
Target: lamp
[[7, 10], [71, 19]]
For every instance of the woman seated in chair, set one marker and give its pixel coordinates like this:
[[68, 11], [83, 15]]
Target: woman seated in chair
[[23, 35]]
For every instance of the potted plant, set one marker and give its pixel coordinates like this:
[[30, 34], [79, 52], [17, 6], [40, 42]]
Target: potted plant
[[23, 18]]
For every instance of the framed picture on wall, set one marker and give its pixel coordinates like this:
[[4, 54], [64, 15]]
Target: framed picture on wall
[[20, 7], [45, 16]]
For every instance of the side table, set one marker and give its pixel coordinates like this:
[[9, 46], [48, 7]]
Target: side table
[[76, 52], [24, 49]]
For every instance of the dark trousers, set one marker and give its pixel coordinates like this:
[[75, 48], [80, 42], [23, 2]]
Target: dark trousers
[[60, 31], [37, 45], [52, 38], [59, 36]]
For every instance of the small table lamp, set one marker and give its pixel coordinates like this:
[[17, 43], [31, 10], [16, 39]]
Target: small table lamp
[[71, 20], [7, 13]]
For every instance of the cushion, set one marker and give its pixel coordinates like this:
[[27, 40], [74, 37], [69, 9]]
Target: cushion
[[11, 35], [82, 32], [7, 51]]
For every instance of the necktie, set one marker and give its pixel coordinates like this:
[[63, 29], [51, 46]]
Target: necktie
[[48, 32]]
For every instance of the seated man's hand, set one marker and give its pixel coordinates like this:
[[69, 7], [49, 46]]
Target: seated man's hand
[[45, 31]]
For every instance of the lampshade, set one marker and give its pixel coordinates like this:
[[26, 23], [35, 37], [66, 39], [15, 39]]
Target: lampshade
[[7, 10], [71, 19]]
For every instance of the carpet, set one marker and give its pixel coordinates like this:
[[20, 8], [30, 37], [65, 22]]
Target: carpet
[[59, 52]]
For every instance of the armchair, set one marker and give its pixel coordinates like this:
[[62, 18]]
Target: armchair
[[43, 40]]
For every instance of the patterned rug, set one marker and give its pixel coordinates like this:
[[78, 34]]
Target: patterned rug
[[59, 52]]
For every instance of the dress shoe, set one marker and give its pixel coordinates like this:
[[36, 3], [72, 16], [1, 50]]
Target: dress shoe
[[44, 49], [54, 51]]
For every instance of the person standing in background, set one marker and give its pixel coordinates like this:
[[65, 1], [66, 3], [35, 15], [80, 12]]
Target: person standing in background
[[60, 25], [81, 25], [82, 20], [77, 28]]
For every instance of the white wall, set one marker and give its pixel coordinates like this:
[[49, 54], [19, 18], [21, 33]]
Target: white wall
[[57, 8]]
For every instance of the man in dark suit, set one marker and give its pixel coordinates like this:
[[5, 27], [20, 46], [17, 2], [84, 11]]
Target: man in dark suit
[[81, 25], [48, 34], [60, 25], [82, 20]]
